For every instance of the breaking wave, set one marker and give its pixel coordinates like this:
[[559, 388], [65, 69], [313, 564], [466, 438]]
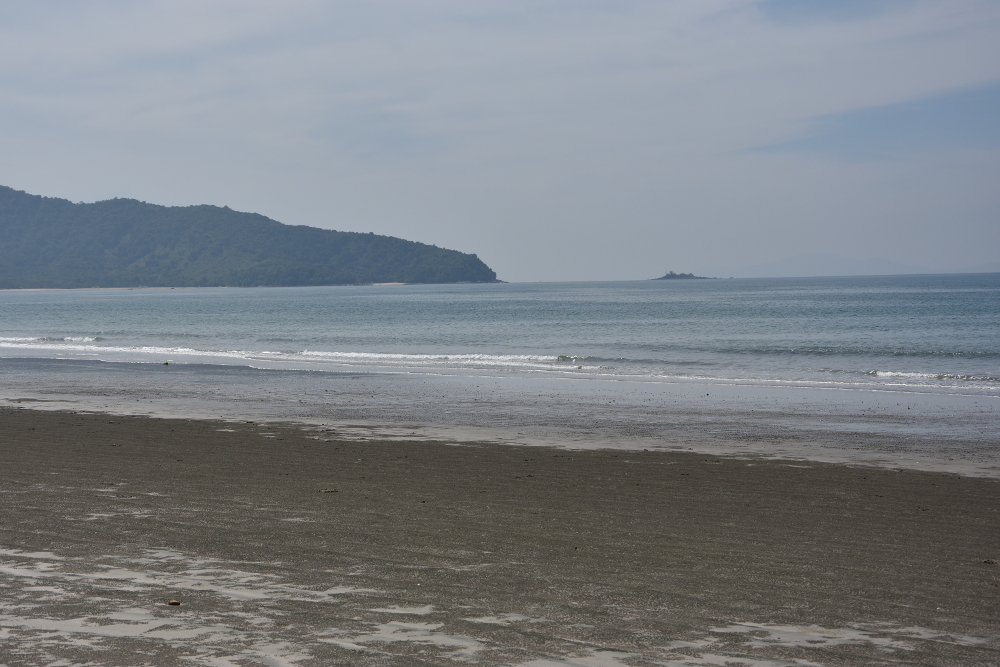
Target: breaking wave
[[933, 376]]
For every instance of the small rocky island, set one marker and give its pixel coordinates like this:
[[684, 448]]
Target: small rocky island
[[670, 275]]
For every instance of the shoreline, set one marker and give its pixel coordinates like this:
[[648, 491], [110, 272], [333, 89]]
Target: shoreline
[[789, 446], [921, 431], [297, 547]]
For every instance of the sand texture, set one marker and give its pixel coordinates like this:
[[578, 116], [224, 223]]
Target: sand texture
[[287, 546]]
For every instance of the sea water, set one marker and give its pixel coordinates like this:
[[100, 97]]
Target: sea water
[[899, 359]]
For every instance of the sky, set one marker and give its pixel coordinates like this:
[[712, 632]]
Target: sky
[[558, 140]]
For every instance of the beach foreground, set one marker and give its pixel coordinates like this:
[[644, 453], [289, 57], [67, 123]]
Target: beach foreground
[[285, 546]]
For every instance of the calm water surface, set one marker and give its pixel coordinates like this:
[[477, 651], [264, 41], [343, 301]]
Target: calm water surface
[[938, 333], [893, 367]]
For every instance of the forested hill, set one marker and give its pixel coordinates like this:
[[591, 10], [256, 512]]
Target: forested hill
[[48, 242]]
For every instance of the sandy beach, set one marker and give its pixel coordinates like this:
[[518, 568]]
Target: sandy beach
[[286, 546]]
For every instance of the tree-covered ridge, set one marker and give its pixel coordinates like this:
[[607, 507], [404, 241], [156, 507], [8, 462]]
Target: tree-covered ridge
[[49, 242]]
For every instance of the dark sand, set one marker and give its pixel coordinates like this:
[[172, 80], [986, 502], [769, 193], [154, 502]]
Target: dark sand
[[425, 553]]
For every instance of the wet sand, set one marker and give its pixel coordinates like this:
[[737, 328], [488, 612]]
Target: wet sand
[[287, 546]]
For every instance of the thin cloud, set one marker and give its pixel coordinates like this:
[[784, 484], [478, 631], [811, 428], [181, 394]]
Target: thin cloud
[[957, 119], [558, 140], [811, 11]]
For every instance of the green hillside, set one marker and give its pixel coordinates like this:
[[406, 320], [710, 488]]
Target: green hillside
[[48, 242]]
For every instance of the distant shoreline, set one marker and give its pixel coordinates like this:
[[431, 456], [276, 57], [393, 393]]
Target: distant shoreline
[[493, 282], [190, 287]]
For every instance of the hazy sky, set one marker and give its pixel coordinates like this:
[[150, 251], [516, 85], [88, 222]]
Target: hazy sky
[[558, 140]]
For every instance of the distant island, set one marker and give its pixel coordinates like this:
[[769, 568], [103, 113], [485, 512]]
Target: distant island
[[670, 275], [54, 243]]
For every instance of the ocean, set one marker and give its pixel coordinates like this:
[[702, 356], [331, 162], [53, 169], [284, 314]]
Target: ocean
[[899, 369]]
